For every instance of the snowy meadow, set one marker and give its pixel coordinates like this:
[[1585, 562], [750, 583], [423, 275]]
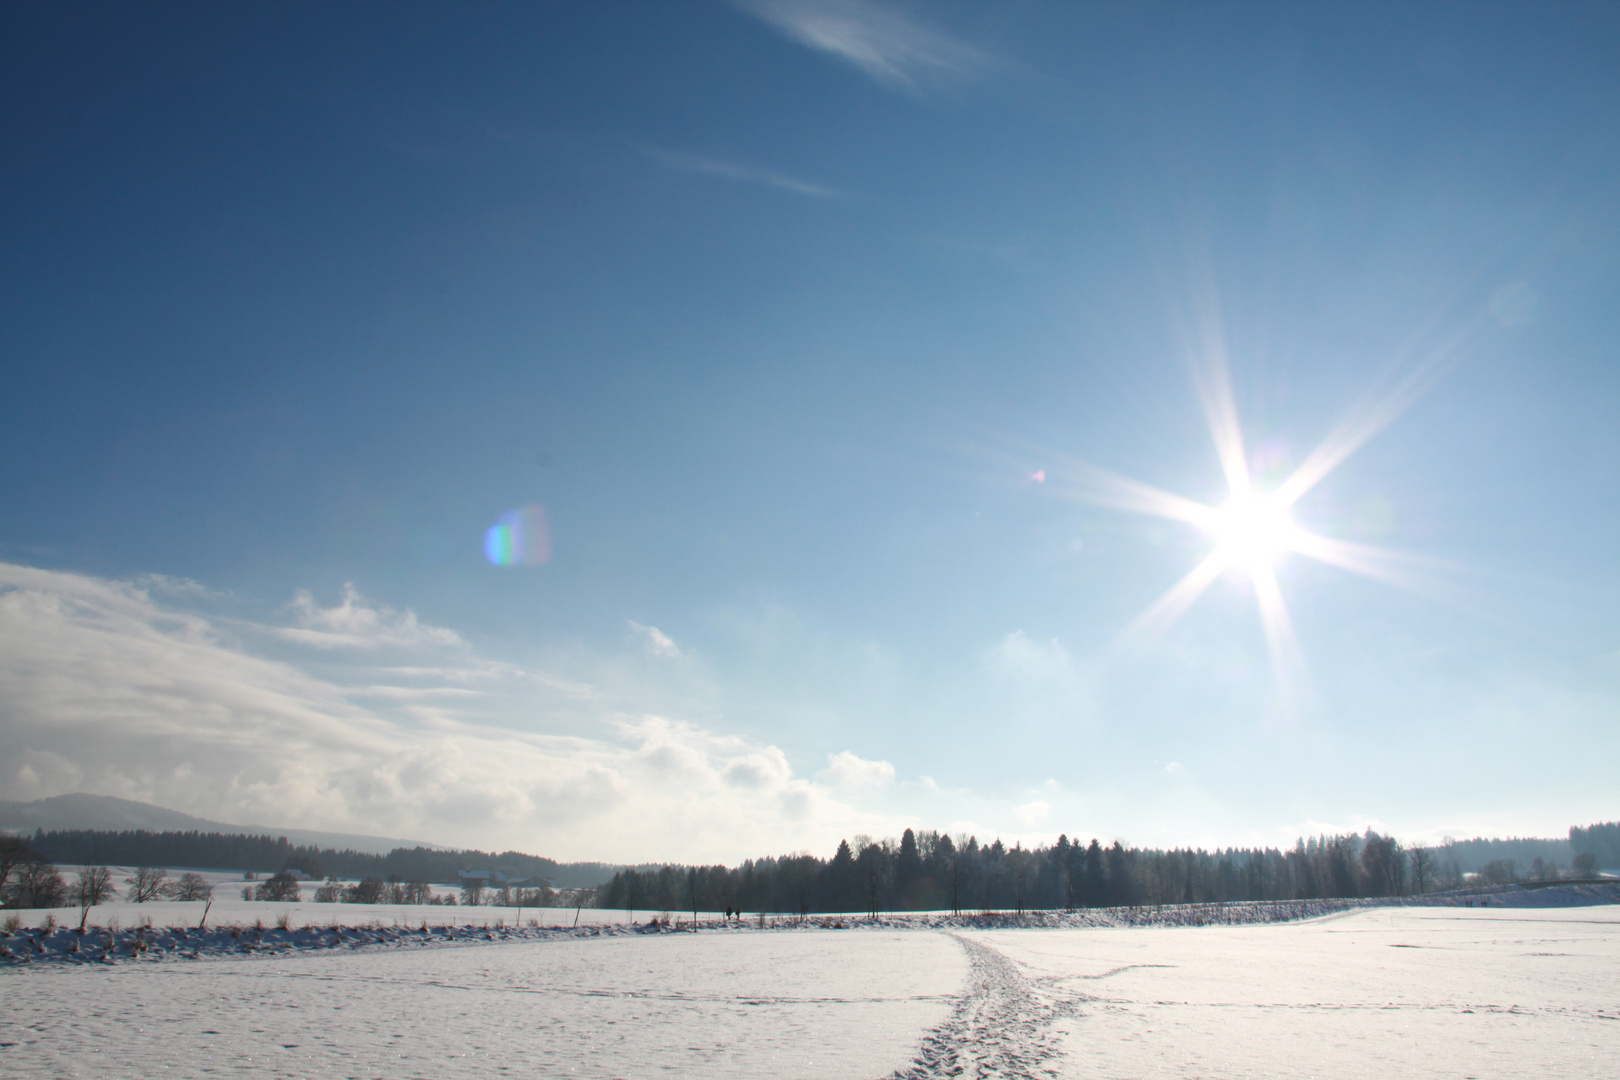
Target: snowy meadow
[[1501, 984]]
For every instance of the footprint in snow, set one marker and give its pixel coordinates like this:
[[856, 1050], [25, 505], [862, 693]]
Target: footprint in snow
[[1001, 1027]]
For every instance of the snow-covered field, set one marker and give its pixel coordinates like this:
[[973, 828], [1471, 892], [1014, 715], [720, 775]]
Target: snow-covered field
[[1404, 992], [1380, 992], [811, 1004]]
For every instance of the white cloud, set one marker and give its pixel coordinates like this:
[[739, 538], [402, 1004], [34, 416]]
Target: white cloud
[[877, 38], [104, 688], [359, 623], [847, 770], [1033, 813], [658, 642], [700, 165], [758, 769]]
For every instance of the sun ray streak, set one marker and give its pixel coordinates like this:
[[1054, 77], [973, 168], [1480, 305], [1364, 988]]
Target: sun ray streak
[[1076, 480], [1287, 658], [1377, 563], [1081, 482], [1163, 612], [1376, 411], [1213, 380]]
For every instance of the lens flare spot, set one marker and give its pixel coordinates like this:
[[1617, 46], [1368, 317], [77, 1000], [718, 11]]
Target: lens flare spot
[[1038, 476], [519, 538]]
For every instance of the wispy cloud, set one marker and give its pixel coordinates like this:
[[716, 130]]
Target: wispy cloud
[[658, 642], [730, 170], [879, 39], [107, 688], [358, 623]]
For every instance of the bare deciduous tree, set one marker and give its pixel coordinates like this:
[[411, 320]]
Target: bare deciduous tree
[[39, 885], [14, 851], [93, 887], [193, 886], [1422, 869], [149, 883]]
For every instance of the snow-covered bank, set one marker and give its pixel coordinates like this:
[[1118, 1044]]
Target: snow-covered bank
[[104, 945], [1531, 895], [280, 929]]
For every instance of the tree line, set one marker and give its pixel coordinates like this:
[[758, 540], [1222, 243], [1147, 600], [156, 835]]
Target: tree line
[[1597, 845], [270, 854], [29, 880], [924, 870], [933, 871]]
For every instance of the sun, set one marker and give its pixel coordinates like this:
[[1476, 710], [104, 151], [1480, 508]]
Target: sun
[[1252, 532]]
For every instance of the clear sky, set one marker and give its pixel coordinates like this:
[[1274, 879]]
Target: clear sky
[[874, 373]]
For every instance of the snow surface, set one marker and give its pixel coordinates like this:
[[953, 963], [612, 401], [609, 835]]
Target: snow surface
[[810, 1004], [1407, 991], [1393, 992]]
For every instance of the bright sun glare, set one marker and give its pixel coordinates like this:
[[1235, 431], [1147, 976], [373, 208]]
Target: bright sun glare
[[1253, 532]]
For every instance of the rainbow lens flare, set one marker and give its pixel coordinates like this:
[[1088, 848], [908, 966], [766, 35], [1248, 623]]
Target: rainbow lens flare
[[519, 538]]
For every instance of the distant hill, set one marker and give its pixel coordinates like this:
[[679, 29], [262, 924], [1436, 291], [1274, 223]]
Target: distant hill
[[80, 811]]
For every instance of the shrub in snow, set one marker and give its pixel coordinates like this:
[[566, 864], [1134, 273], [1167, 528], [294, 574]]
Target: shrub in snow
[[282, 886], [192, 886], [367, 891]]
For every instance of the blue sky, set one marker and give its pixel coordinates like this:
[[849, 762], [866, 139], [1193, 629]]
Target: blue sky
[[823, 332]]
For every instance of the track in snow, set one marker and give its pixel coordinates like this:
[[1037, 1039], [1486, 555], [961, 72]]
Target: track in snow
[[1001, 1027]]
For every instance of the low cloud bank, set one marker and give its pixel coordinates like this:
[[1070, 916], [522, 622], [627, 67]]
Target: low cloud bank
[[362, 718]]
